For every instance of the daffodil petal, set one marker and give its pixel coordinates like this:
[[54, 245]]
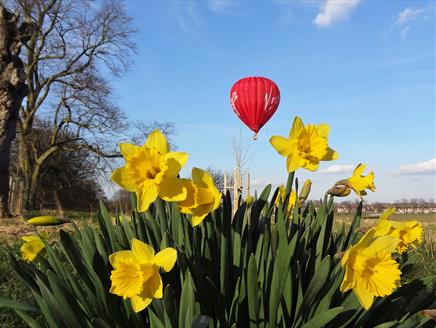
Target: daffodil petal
[[387, 213], [153, 287], [122, 177], [330, 155], [323, 130], [143, 252], [129, 150], [190, 196], [281, 145], [139, 303], [166, 259], [363, 295], [349, 281], [201, 178], [204, 196], [172, 189], [293, 162], [200, 212], [174, 162], [297, 125], [125, 255], [146, 195], [360, 168], [157, 140]]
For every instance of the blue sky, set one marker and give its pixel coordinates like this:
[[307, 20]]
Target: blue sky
[[367, 68]]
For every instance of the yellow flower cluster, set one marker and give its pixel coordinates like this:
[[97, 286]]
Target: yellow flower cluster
[[370, 269], [152, 170]]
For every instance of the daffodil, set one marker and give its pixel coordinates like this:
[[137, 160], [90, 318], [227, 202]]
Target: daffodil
[[32, 247], [151, 170], [359, 183], [282, 195], [305, 147], [370, 269], [202, 196], [136, 273], [409, 232]]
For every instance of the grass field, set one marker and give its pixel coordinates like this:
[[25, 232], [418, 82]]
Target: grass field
[[12, 230]]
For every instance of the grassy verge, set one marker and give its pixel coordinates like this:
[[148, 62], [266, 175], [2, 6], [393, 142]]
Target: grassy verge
[[11, 287]]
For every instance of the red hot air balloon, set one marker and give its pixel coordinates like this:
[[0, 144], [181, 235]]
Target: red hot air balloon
[[254, 100]]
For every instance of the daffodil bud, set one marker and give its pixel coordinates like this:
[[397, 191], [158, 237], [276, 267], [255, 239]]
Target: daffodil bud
[[249, 200], [46, 220], [305, 191], [339, 191]]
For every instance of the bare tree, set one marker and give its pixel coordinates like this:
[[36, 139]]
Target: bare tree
[[67, 58], [12, 91]]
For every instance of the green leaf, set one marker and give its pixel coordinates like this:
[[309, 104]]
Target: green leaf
[[6, 303], [252, 292], [322, 319], [27, 319], [187, 301]]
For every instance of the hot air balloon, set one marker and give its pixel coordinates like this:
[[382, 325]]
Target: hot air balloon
[[254, 100]]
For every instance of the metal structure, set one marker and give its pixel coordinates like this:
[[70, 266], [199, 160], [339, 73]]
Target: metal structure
[[237, 189]]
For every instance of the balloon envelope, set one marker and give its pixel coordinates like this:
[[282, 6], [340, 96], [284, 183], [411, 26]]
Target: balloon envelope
[[254, 100]]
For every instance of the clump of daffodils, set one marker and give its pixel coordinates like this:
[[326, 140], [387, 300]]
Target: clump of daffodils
[[152, 171]]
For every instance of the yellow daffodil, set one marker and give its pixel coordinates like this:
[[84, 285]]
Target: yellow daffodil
[[356, 182], [151, 170], [136, 273], [409, 232], [359, 183], [305, 147], [32, 247], [202, 196], [369, 268], [282, 195]]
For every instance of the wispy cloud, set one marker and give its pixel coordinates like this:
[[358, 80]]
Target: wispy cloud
[[338, 169], [187, 16], [219, 6], [427, 167], [406, 17], [334, 11]]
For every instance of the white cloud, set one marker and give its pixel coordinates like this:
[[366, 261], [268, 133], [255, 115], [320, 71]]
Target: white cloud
[[334, 11], [427, 167], [338, 169], [218, 6], [406, 18], [408, 15]]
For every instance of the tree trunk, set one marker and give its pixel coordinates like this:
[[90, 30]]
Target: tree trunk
[[12, 91]]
